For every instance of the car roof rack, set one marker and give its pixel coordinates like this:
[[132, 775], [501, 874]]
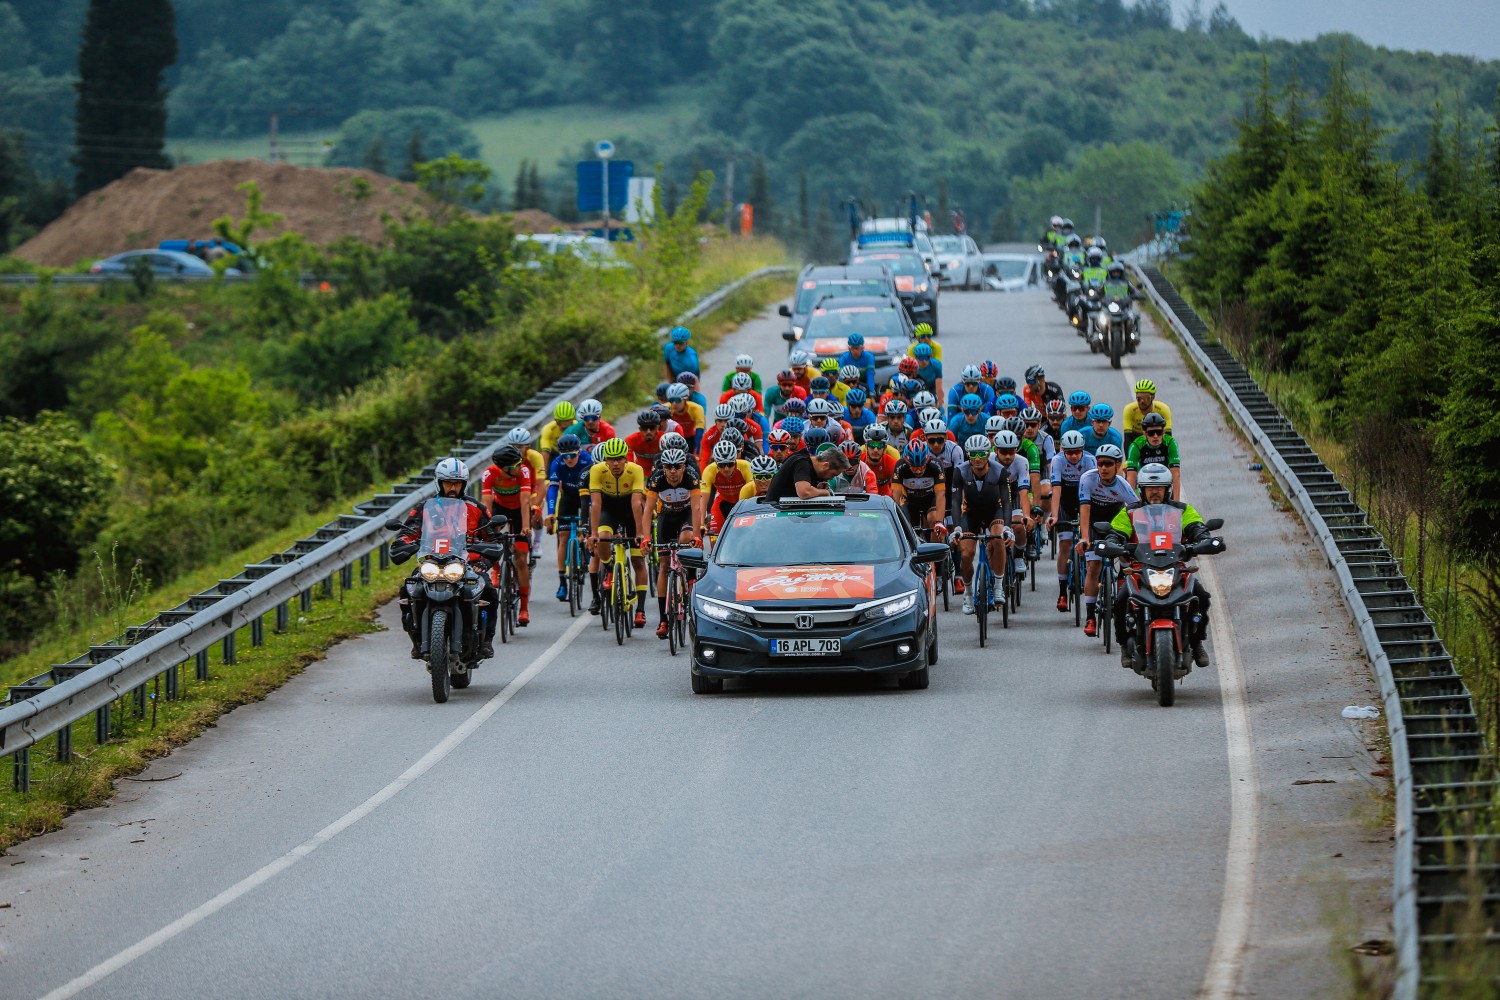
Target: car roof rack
[[814, 503]]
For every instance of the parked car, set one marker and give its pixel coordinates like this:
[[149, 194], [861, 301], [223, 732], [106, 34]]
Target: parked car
[[533, 248], [837, 281], [1013, 272], [165, 263], [960, 262]]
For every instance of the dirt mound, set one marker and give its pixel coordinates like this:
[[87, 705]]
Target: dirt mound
[[534, 220], [146, 206]]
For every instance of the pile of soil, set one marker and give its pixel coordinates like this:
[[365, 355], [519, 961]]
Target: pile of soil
[[147, 206], [534, 220]]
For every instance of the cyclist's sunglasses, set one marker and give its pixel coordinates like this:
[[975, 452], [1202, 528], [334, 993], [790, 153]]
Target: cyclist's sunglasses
[[673, 465], [764, 477], [1106, 463], [1033, 423], [1073, 453], [978, 454], [1155, 432], [1005, 454], [781, 447], [591, 420], [565, 455], [1079, 409]]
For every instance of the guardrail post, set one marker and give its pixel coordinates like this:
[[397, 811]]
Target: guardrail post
[[346, 577], [20, 772], [226, 648], [283, 617], [101, 724], [200, 664], [138, 696], [304, 600], [258, 630], [385, 558], [65, 745], [328, 586], [364, 569], [174, 678]]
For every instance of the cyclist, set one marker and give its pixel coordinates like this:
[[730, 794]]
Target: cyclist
[[677, 355], [672, 440], [970, 417], [762, 471], [722, 481], [1007, 448], [1155, 445], [929, 369], [1054, 414], [829, 369], [857, 478], [616, 492], [798, 365], [1099, 431], [881, 458], [506, 490], [970, 384], [978, 505], [690, 379], [688, 414], [779, 444], [521, 438], [896, 428], [745, 409], [1038, 392], [919, 490], [989, 374], [857, 415], [850, 379], [824, 413], [1136, 410], [1007, 405], [860, 358], [743, 363], [569, 473], [785, 389], [723, 413], [794, 408], [1078, 412], [924, 334], [1033, 440], [563, 416], [740, 383], [672, 492], [1155, 481], [1102, 493], [592, 428], [645, 443], [1068, 468]]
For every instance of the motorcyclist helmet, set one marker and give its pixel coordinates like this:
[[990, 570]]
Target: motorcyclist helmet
[[678, 393], [1067, 225], [507, 456], [590, 409], [1109, 451], [1075, 242], [1095, 257], [1072, 441], [1101, 411], [1154, 474], [647, 419], [1080, 398], [1056, 222], [454, 470], [518, 436], [1115, 270], [1007, 441], [977, 445], [680, 334], [725, 451], [1099, 242]]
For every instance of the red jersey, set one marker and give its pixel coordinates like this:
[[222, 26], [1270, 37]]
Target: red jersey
[[645, 452], [506, 490], [604, 433], [478, 517], [760, 403], [883, 466]]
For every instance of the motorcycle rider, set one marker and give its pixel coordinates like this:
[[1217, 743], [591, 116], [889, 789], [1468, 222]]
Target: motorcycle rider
[[452, 480], [1155, 484], [1093, 278]]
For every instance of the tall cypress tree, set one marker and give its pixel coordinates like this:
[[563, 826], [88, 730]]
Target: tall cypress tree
[[121, 120]]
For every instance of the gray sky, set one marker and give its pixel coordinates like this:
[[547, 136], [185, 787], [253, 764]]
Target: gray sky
[[1470, 27]]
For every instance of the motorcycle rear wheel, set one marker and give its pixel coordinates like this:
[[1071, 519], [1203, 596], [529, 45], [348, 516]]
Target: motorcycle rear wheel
[[1163, 667], [437, 659]]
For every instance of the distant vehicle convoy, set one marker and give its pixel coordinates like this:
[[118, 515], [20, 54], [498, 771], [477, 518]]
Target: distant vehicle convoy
[[160, 262], [533, 248]]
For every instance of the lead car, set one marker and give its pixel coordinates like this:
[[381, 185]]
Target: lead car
[[824, 585]]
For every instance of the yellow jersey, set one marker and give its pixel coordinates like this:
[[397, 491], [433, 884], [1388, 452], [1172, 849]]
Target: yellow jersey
[[550, 434], [630, 480], [1133, 415], [937, 349]]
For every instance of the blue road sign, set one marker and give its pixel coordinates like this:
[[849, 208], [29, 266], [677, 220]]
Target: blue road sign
[[591, 184]]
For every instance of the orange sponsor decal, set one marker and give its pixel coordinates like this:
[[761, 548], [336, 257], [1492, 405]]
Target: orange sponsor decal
[[905, 283], [801, 583]]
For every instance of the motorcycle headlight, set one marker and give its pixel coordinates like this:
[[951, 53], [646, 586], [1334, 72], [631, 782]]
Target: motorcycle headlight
[[891, 608], [453, 572], [1114, 307], [430, 571], [722, 612], [798, 331], [1161, 580]]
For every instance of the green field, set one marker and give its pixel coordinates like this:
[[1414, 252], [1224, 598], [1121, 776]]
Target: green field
[[543, 135]]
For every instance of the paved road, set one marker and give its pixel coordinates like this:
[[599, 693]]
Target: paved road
[[1032, 826]]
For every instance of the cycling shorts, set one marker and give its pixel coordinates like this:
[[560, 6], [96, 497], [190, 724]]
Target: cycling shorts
[[670, 524], [918, 507], [512, 517], [567, 504], [617, 514], [718, 512]]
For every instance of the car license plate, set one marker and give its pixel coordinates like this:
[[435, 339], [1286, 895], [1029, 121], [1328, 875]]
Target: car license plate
[[806, 647]]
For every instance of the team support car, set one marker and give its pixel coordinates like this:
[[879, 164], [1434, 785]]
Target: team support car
[[960, 262], [915, 285], [823, 585], [883, 323], [837, 281]]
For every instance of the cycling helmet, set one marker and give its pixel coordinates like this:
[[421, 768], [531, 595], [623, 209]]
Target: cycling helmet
[[1015, 425], [733, 436], [856, 340], [615, 448], [671, 440], [1154, 474], [1056, 407], [793, 425], [680, 334], [815, 437], [1007, 401], [744, 361], [779, 435], [1006, 440], [590, 409], [762, 466], [1109, 451], [569, 444], [1034, 373], [988, 369], [742, 403], [828, 366], [935, 426], [1006, 384], [647, 418], [850, 373], [1072, 441], [912, 386], [924, 399], [1095, 256], [850, 448], [678, 393], [726, 451], [970, 403], [994, 425], [1101, 411], [506, 456], [876, 434], [687, 378], [1151, 421], [796, 406], [819, 384], [785, 375], [739, 426], [563, 411], [908, 365], [597, 451], [970, 373], [518, 436], [1146, 385], [741, 381], [454, 470], [1031, 415], [672, 457], [1115, 269], [930, 413], [1080, 398], [917, 453], [895, 408], [798, 359], [855, 397], [978, 444], [661, 389], [922, 352], [723, 411], [922, 330]]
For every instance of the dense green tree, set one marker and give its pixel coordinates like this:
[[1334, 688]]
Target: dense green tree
[[121, 119], [423, 133]]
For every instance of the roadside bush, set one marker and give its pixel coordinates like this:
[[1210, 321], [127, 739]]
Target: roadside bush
[[342, 350]]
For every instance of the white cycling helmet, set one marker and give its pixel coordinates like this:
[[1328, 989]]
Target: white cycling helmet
[[672, 440], [935, 426], [924, 399], [994, 425], [970, 373], [725, 452], [723, 411], [930, 413], [741, 380], [762, 465], [597, 451], [590, 408], [518, 435], [1007, 439], [742, 403], [1154, 474], [676, 392], [849, 371], [977, 444], [1071, 440], [895, 408], [1109, 451], [744, 361], [798, 359], [450, 469]]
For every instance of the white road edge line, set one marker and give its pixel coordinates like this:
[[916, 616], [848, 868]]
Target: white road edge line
[[429, 760], [1237, 905]]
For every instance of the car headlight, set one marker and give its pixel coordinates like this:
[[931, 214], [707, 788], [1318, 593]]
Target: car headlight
[[891, 608], [722, 612], [922, 287], [1161, 580], [1114, 307], [453, 572], [953, 263], [798, 331]]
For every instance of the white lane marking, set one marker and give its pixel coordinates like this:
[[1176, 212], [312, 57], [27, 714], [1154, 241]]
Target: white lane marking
[[429, 760], [1232, 939]]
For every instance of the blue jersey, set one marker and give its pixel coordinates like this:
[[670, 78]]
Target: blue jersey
[[685, 360], [865, 363], [1091, 442], [984, 392], [929, 374], [1072, 423], [857, 421], [963, 430], [560, 475]]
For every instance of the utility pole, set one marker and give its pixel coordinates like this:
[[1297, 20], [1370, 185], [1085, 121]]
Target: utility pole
[[729, 196], [275, 121]]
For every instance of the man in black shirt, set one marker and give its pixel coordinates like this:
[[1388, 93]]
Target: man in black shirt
[[803, 474]]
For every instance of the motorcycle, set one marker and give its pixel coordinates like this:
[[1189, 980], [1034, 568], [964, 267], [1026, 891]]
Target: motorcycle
[[440, 601], [1157, 586], [1087, 299], [1114, 327], [1065, 284]]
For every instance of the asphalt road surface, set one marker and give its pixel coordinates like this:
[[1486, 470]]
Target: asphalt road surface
[[578, 824]]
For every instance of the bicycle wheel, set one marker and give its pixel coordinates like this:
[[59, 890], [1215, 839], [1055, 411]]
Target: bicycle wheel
[[502, 593], [618, 608], [1005, 605], [1075, 584], [979, 593], [1104, 607], [674, 601]]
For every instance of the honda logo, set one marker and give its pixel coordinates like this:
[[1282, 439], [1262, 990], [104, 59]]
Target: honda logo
[[804, 621]]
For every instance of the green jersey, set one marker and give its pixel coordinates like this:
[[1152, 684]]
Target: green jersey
[[1143, 452], [1033, 457]]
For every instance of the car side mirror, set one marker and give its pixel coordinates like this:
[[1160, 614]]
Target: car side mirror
[[393, 525], [927, 552], [784, 310], [692, 558], [789, 336], [1214, 523]]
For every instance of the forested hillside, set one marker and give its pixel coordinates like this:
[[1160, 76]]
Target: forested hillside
[[1007, 108]]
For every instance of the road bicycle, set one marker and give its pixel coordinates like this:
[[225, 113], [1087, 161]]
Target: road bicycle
[[620, 591], [575, 561], [1104, 604], [983, 585], [944, 581], [678, 588], [509, 590], [1034, 540], [1075, 576]]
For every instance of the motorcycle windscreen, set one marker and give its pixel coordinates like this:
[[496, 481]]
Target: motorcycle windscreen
[[445, 527], [1158, 529]]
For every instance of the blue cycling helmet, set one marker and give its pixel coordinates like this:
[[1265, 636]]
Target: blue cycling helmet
[[922, 352], [856, 340], [793, 425], [568, 444], [912, 386], [1006, 384], [794, 406], [814, 437], [917, 453], [1008, 401], [680, 334], [855, 397], [970, 403], [1102, 411], [819, 384], [661, 390], [1080, 398]]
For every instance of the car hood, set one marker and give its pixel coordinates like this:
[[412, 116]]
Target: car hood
[[795, 586]]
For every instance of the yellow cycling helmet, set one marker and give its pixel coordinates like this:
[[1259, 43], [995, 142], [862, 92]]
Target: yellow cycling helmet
[[923, 330], [1146, 385], [828, 365], [615, 448], [564, 411]]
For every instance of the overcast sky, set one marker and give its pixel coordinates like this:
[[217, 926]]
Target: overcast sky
[[1470, 27]]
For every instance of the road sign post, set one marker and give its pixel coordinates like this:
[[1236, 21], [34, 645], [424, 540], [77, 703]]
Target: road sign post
[[604, 149]]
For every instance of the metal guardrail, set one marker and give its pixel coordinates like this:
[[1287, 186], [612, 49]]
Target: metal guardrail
[[712, 302], [1442, 772]]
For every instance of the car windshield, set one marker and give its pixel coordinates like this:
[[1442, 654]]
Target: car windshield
[[872, 321], [812, 537], [948, 244], [905, 263], [840, 288], [1009, 269]]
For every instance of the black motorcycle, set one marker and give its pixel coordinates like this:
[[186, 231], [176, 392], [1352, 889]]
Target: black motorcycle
[[441, 602], [1114, 327], [1157, 586]]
